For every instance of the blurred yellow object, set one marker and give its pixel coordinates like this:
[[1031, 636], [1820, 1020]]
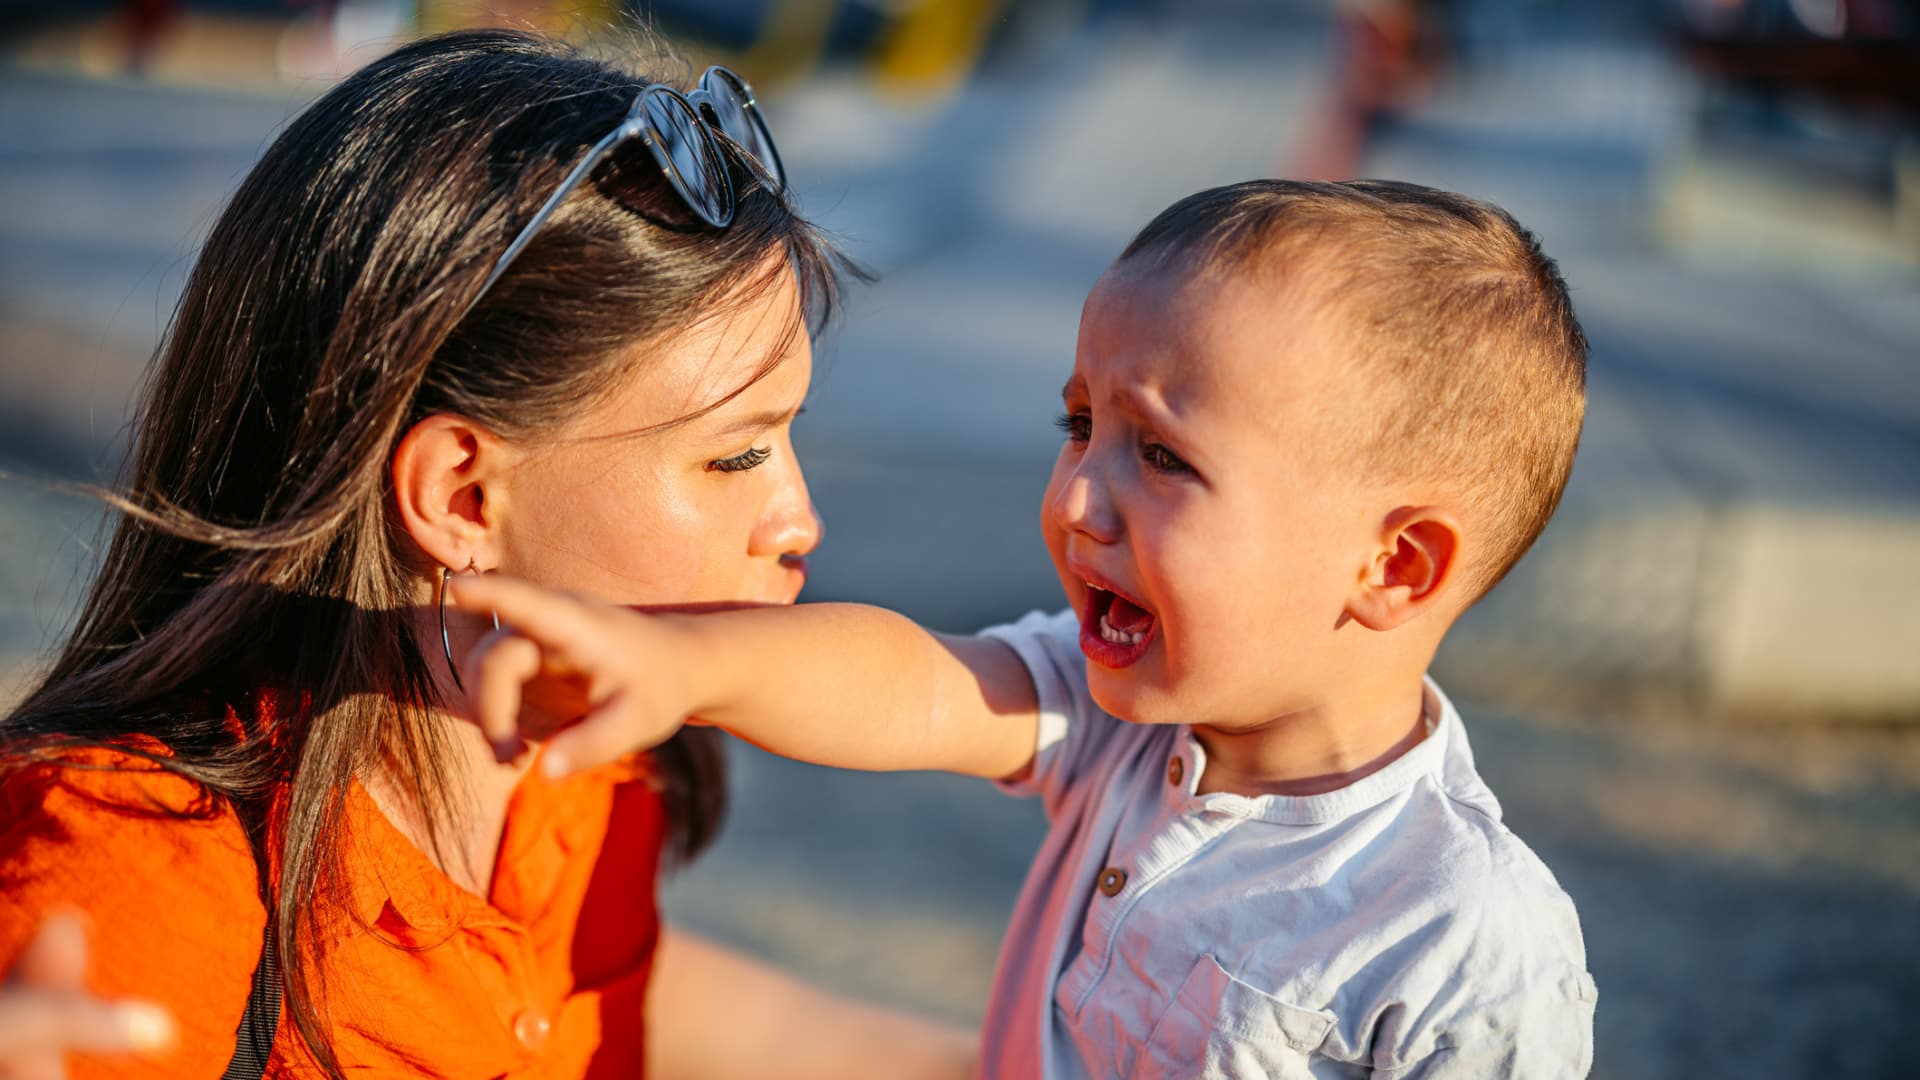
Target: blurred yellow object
[[790, 43], [571, 19], [933, 46]]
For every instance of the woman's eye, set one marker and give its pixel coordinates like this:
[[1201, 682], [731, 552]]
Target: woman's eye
[[1078, 426], [1161, 459], [751, 459]]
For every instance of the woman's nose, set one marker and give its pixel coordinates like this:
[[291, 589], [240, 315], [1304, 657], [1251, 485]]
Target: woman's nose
[[807, 532], [790, 525]]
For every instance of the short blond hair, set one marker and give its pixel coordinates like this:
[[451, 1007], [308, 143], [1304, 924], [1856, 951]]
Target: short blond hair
[[1460, 321]]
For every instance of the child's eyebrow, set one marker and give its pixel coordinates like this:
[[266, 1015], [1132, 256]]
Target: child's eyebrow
[[1149, 408]]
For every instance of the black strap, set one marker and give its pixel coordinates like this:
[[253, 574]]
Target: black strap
[[253, 1039]]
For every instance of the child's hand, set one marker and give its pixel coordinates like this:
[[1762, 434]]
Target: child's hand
[[602, 681]]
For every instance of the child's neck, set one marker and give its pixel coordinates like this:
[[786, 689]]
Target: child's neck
[[1316, 750]]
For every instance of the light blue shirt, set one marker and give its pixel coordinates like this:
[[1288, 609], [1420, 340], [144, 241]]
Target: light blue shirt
[[1391, 928]]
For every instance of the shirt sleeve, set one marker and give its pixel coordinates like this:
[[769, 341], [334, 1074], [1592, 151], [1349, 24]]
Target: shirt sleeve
[[1546, 1033], [1071, 727], [1519, 1001], [1498, 985], [165, 881]]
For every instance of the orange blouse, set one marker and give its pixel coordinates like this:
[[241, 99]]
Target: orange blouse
[[545, 977]]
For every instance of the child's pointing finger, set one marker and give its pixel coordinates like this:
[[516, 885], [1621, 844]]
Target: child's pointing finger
[[497, 669], [556, 620], [617, 663], [618, 725]]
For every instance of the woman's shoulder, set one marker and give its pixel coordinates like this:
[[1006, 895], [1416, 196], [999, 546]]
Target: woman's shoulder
[[125, 840], [158, 866], [118, 820], [114, 796]]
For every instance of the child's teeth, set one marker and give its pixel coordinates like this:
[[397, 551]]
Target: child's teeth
[[1113, 635]]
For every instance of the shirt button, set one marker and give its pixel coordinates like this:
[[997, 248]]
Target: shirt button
[[1112, 880], [1175, 770], [532, 1028]]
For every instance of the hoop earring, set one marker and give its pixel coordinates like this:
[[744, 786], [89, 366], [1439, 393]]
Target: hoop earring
[[440, 605]]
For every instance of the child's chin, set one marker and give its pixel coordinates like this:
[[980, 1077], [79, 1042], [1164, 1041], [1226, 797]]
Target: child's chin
[[1126, 695]]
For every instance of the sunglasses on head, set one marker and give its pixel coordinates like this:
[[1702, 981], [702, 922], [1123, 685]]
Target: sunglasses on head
[[677, 129]]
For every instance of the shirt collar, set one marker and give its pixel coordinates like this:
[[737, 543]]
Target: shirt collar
[[393, 885], [1426, 758]]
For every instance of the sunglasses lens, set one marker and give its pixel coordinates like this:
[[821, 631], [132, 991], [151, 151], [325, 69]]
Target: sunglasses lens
[[733, 108], [689, 158]]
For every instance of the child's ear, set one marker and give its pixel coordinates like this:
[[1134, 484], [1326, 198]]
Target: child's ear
[[1416, 561], [444, 472]]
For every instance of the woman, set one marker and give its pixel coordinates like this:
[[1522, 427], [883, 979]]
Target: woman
[[487, 305]]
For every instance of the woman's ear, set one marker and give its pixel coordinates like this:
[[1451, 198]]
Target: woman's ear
[[441, 473], [1412, 569]]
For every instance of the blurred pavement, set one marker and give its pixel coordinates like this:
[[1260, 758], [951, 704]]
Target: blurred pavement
[[1748, 892]]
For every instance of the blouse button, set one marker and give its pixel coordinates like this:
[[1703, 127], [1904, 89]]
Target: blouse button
[[532, 1028], [1175, 770], [1112, 880]]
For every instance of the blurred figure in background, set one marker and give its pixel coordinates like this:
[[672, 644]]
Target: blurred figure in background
[[146, 21], [1389, 50]]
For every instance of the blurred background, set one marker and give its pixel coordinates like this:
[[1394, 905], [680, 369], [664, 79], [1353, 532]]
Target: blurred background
[[1699, 698]]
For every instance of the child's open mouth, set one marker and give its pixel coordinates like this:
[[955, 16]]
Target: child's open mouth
[[1115, 631]]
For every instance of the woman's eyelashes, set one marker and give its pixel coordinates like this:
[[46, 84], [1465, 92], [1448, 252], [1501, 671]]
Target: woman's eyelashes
[[752, 458]]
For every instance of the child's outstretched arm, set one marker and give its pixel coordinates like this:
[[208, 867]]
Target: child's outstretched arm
[[836, 684]]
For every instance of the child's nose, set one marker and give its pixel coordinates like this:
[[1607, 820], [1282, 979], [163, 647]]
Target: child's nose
[[1080, 504]]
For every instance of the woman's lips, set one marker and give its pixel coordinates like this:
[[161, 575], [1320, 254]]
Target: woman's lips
[[796, 567]]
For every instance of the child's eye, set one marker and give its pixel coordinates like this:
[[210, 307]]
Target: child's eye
[[751, 459], [1078, 426], [1161, 459]]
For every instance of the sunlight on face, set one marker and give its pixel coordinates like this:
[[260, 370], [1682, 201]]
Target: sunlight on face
[[1191, 486], [711, 509]]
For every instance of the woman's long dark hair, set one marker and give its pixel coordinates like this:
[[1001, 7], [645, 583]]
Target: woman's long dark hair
[[252, 614]]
